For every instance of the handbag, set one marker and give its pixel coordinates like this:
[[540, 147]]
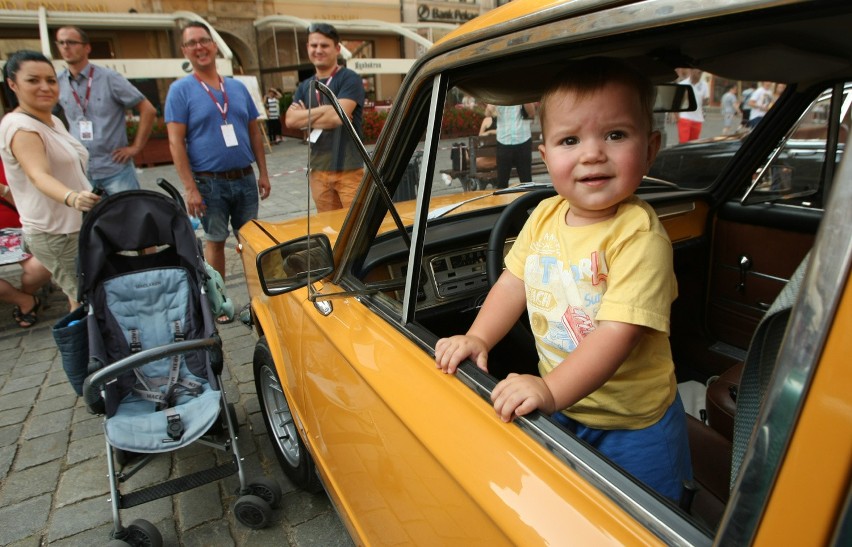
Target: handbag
[[72, 338]]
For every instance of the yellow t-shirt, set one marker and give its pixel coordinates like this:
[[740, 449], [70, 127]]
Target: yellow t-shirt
[[619, 269]]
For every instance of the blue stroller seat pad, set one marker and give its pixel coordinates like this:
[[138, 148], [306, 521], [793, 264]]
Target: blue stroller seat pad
[[152, 309]]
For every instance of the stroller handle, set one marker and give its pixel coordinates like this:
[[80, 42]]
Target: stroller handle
[[94, 382]]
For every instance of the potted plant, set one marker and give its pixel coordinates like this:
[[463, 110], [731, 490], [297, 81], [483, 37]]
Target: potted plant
[[156, 150]]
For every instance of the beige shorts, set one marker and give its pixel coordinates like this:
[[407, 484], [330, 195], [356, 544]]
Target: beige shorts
[[335, 189], [58, 253]]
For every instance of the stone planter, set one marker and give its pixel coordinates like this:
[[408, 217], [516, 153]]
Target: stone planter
[[155, 152]]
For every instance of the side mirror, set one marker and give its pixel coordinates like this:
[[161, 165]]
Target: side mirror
[[294, 264], [675, 98]]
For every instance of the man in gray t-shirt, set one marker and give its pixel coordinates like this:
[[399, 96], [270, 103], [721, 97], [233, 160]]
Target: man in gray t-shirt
[[96, 100]]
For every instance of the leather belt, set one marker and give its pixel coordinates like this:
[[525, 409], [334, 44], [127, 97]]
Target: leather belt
[[228, 175]]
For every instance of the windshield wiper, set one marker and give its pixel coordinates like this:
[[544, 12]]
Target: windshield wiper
[[368, 161], [523, 187]]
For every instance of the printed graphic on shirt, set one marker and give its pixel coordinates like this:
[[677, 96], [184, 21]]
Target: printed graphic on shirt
[[563, 298]]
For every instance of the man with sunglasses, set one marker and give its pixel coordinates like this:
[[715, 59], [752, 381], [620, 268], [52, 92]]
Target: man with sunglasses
[[95, 100], [214, 138], [336, 165]]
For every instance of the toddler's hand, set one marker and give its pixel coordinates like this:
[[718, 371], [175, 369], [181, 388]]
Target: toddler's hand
[[449, 352], [520, 394]]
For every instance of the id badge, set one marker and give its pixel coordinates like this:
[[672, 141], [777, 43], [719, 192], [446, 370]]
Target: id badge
[[87, 131], [230, 135], [315, 135]]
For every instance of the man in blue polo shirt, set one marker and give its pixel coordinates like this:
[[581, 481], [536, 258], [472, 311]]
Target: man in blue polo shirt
[[214, 138], [96, 100]]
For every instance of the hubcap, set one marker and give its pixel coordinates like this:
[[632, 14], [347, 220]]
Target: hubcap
[[278, 414]]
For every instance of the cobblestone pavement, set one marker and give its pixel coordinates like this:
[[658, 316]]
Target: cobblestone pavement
[[53, 472]]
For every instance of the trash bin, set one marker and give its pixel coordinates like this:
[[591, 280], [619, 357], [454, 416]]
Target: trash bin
[[407, 189]]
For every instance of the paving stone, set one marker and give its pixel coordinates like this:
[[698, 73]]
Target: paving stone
[[83, 481], [13, 416], [300, 506], [84, 449], [41, 450], [161, 512], [46, 424], [326, 530], [57, 390], [23, 520], [7, 456], [215, 533], [90, 427], [243, 373], [66, 403], [40, 367], [29, 483], [37, 356], [9, 434], [78, 517], [17, 399], [32, 541], [18, 384], [198, 506], [94, 536]]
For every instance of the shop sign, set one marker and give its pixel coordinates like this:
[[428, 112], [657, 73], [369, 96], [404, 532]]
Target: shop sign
[[447, 12], [380, 66], [34, 5]]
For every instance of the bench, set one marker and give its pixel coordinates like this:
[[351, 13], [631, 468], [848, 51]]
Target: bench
[[485, 146]]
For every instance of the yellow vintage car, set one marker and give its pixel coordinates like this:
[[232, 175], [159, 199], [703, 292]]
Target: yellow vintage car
[[348, 305]]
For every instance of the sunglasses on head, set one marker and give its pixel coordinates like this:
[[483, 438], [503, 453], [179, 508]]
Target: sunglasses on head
[[324, 29]]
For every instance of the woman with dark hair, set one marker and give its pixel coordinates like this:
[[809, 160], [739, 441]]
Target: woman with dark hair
[[45, 167]]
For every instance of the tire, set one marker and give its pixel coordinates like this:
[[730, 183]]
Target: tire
[[142, 533], [266, 489], [253, 512], [289, 448]]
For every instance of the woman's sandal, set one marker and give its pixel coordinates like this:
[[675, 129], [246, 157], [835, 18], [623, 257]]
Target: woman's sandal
[[224, 319], [27, 320]]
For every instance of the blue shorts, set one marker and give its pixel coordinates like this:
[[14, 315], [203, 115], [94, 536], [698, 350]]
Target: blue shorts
[[234, 199], [657, 455], [119, 182]]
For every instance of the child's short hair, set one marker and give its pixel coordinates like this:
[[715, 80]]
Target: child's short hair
[[589, 75]]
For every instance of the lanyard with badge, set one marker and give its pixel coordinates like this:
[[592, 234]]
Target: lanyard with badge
[[87, 131], [228, 132], [315, 134]]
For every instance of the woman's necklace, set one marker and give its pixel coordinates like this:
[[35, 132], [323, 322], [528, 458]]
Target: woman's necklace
[[33, 116]]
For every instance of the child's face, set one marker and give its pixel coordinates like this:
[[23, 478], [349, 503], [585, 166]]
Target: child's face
[[597, 148]]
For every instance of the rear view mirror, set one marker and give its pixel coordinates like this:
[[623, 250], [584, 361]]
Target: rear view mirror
[[675, 98], [292, 265]]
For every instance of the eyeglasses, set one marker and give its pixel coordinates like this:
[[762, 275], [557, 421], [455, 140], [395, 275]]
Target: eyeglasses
[[324, 29], [195, 43], [69, 43]]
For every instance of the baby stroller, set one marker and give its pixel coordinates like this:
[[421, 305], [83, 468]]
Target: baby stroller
[[155, 357]]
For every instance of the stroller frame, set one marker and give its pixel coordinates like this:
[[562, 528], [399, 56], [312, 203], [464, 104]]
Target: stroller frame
[[151, 219]]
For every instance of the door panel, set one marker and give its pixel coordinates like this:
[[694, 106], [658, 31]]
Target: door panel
[[752, 262]]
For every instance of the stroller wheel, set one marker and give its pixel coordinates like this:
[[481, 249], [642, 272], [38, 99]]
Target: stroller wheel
[[252, 511], [267, 490], [142, 533]]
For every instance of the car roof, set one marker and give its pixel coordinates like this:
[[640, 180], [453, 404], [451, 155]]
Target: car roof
[[768, 40]]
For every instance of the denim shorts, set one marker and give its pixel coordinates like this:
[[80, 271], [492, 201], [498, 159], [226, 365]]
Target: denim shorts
[[234, 199], [119, 182]]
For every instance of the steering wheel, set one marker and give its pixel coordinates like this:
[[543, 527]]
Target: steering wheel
[[518, 346], [511, 221]]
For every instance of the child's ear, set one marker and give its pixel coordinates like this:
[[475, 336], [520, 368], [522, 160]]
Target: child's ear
[[655, 140], [543, 151]]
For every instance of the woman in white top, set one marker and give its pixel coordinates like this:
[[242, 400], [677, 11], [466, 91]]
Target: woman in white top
[[45, 168]]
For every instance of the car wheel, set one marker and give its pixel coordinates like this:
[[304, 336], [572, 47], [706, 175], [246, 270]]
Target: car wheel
[[292, 454]]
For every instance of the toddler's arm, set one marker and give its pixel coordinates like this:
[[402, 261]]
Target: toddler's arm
[[585, 369], [505, 303]]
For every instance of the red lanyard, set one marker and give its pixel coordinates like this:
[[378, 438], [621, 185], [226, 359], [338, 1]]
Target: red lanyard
[[222, 109], [88, 90], [327, 83]]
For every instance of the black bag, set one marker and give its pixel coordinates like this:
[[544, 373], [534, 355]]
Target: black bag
[[72, 338], [460, 156]]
